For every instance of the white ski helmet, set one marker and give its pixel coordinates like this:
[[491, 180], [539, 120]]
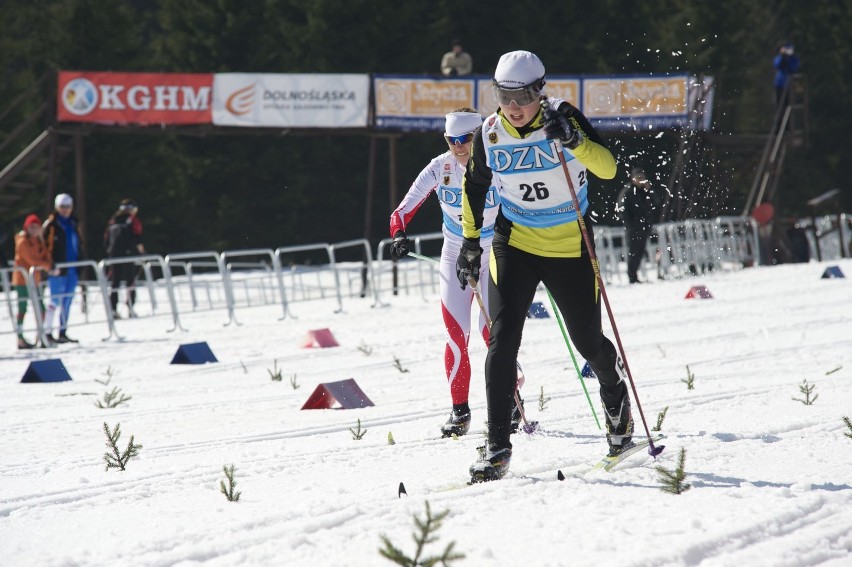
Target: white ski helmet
[[518, 69]]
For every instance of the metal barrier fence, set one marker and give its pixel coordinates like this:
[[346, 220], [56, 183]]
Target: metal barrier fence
[[240, 279], [409, 274], [738, 241], [164, 286], [829, 237]]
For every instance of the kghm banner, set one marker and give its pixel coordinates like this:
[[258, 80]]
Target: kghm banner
[[291, 100], [134, 98]]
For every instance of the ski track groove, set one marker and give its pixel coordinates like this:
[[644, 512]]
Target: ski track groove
[[251, 534], [762, 531]]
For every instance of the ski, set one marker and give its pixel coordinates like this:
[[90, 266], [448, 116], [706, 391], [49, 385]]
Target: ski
[[611, 461], [606, 464]]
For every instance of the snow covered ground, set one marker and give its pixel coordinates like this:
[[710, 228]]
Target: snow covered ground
[[771, 477]]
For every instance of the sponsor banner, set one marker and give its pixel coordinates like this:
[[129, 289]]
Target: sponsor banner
[[134, 98], [631, 97], [291, 100], [486, 100], [566, 89], [409, 103]]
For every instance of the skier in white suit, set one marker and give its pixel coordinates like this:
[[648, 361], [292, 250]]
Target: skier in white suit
[[443, 176]]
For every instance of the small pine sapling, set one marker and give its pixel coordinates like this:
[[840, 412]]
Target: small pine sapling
[[109, 373], [232, 484], [275, 373], [293, 384], [660, 417], [390, 439], [673, 480], [542, 401], [245, 369], [398, 365], [849, 425], [425, 534], [357, 432], [689, 380], [118, 460], [113, 398], [365, 348], [806, 389]]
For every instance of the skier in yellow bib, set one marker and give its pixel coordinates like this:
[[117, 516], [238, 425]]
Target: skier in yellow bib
[[536, 239]]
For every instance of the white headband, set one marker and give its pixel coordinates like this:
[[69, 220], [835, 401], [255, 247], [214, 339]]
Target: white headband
[[459, 123]]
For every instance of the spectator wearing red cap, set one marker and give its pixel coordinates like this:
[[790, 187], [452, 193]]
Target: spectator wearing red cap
[[30, 251]]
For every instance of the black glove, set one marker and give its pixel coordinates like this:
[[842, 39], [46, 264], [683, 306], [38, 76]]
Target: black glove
[[467, 264], [557, 126], [401, 246]]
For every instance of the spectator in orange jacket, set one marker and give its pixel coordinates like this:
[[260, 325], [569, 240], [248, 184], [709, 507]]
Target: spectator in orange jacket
[[30, 251]]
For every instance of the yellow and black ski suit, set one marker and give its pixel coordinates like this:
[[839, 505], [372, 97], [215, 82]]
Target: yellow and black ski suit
[[537, 239]]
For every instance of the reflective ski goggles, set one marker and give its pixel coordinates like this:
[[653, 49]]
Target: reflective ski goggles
[[463, 139], [521, 96]]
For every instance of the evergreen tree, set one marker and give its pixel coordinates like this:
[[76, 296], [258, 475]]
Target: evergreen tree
[[221, 192]]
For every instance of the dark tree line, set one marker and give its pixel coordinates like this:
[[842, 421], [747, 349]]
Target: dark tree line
[[219, 192]]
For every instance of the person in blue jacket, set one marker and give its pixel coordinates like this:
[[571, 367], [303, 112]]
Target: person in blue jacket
[[62, 238], [786, 63]]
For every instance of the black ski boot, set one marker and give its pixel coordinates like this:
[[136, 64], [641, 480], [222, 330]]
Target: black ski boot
[[63, 338], [619, 426], [493, 464], [459, 422]]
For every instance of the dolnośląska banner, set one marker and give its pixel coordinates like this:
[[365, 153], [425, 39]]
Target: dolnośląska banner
[[291, 100], [134, 98]]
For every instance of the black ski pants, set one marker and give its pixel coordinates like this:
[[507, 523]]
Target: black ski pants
[[574, 287], [122, 273], [637, 239]]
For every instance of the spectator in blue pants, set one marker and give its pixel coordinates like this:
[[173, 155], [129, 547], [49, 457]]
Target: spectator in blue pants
[[63, 242]]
